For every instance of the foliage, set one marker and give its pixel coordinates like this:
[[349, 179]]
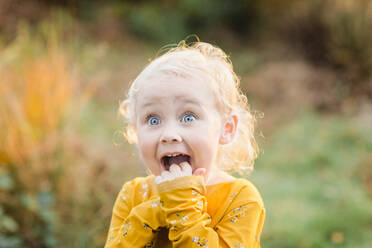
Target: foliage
[[171, 22], [332, 33], [335, 34], [36, 90], [349, 43], [57, 181]]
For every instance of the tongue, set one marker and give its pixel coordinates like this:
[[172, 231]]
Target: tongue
[[178, 159]]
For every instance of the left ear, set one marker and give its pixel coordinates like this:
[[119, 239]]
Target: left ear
[[228, 129]]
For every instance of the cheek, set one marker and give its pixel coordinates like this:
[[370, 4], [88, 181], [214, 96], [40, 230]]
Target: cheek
[[144, 150], [146, 144], [205, 144], [147, 151]]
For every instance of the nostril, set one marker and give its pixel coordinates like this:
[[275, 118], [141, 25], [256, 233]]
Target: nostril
[[172, 139]]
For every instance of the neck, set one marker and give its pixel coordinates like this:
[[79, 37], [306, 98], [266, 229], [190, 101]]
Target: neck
[[218, 176]]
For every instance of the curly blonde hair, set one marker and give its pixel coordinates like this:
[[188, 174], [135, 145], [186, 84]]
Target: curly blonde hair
[[210, 62]]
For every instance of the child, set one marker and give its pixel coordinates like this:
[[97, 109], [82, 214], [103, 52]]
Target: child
[[191, 124]]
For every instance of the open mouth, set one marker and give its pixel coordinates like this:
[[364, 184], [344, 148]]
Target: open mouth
[[168, 160]]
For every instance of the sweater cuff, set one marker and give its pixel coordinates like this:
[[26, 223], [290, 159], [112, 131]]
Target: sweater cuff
[[196, 182]]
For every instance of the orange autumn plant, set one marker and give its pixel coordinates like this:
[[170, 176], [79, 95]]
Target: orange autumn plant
[[35, 93], [37, 89]]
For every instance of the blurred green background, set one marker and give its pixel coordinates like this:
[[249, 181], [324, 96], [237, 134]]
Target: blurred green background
[[65, 66]]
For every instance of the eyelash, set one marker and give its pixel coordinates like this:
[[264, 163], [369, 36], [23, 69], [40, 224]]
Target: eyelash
[[189, 113], [147, 119]]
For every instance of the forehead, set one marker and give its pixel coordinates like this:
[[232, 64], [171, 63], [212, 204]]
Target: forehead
[[177, 90]]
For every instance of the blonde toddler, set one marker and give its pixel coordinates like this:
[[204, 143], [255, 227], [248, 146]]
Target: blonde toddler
[[191, 125]]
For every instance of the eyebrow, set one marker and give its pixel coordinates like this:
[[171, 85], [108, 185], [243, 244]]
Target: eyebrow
[[185, 99]]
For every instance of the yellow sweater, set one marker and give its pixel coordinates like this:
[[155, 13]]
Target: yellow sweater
[[176, 214]]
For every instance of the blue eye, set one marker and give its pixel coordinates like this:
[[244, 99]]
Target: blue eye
[[188, 118], [153, 120]]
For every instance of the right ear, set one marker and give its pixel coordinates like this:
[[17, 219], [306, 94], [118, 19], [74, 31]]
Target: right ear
[[229, 129]]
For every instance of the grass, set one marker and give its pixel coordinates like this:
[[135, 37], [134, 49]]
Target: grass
[[310, 181]]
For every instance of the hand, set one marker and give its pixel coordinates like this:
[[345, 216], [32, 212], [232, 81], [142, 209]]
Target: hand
[[176, 171]]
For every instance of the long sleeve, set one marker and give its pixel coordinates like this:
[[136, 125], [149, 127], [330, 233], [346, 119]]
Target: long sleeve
[[242, 225], [185, 208], [134, 226]]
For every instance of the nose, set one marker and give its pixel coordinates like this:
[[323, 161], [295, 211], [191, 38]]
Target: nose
[[170, 135]]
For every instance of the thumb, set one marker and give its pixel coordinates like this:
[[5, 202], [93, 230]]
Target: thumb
[[199, 172]]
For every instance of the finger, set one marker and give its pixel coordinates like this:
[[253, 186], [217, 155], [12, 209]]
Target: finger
[[175, 170], [186, 169], [158, 179], [166, 175], [199, 172]]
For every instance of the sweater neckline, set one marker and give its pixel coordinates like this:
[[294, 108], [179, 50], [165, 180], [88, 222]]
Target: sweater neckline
[[216, 184]]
